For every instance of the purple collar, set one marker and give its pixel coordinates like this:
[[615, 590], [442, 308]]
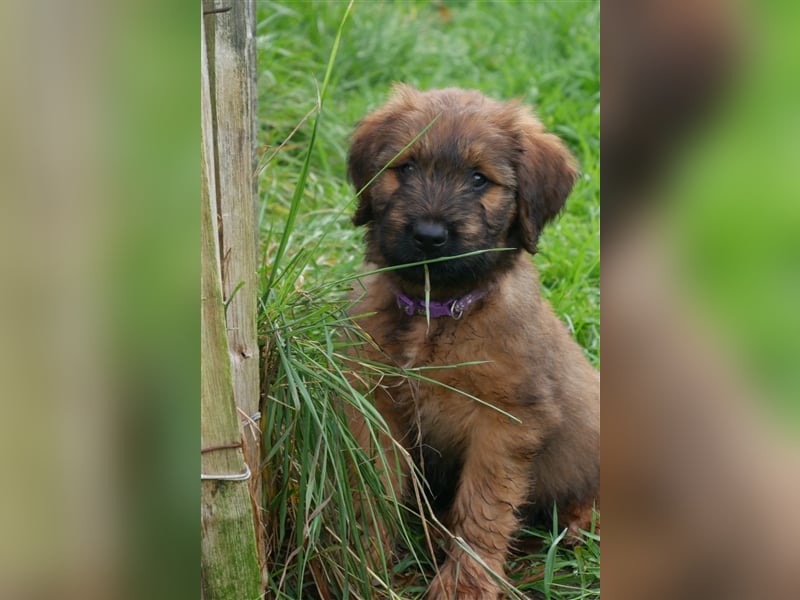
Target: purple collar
[[454, 307]]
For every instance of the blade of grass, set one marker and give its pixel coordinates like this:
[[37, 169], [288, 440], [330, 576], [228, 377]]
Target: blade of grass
[[427, 299], [549, 569], [301, 183]]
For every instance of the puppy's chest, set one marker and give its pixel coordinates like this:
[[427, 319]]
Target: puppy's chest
[[442, 344], [452, 366], [446, 345]]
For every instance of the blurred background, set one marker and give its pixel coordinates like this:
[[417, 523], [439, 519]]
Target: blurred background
[[700, 287], [99, 349]]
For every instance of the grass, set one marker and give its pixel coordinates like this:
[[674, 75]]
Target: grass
[[310, 97]]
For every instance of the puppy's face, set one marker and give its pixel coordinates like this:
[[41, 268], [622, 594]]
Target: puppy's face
[[480, 175]]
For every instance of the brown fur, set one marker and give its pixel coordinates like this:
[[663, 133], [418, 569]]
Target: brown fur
[[484, 469]]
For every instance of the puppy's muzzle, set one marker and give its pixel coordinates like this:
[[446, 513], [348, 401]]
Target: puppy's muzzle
[[429, 235]]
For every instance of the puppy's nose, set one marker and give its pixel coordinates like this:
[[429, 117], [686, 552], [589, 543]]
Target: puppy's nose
[[429, 234]]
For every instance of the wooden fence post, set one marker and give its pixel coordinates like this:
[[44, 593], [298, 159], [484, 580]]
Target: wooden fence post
[[229, 363], [230, 47]]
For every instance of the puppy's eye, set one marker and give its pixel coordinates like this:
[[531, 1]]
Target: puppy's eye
[[407, 168], [478, 181]]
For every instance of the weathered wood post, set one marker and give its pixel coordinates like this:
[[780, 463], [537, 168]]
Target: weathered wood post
[[229, 364]]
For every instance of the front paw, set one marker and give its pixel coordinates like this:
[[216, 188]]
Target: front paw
[[463, 580]]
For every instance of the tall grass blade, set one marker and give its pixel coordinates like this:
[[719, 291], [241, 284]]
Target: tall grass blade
[[301, 183]]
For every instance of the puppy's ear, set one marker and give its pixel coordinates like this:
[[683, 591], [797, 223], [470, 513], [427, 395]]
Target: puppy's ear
[[368, 137], [361, 166], [546, 172]]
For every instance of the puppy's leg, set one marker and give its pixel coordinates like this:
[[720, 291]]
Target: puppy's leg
[[493, 485]]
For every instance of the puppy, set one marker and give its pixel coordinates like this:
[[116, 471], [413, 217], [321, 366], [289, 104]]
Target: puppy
[[505, 417]]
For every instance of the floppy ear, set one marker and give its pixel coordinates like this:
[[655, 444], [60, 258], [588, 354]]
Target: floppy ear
[[361, 166], [546, 172], [370, 133]]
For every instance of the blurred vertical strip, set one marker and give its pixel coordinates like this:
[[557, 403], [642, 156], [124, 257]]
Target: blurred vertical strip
[[59, 515], [99, 351], [701, 284]]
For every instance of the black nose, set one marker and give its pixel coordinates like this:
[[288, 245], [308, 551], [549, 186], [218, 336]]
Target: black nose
[[429, 234]]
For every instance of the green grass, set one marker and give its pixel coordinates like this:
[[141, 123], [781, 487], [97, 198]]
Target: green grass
[[546, 53]]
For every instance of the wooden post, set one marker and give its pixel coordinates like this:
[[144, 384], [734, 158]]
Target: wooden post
[[229, 360], [230, 48]]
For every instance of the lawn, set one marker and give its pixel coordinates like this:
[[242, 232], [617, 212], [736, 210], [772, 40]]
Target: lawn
[[547, 54]]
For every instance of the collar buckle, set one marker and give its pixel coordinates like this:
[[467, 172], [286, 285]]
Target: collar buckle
[[456, 309]]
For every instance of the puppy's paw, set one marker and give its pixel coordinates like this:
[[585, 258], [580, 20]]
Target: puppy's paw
[[578, 518], [463, 580]]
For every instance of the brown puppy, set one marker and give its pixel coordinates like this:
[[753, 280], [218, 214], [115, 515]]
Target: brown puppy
[[519, 428]]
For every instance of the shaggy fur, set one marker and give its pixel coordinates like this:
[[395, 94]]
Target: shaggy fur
[[485, 175]]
